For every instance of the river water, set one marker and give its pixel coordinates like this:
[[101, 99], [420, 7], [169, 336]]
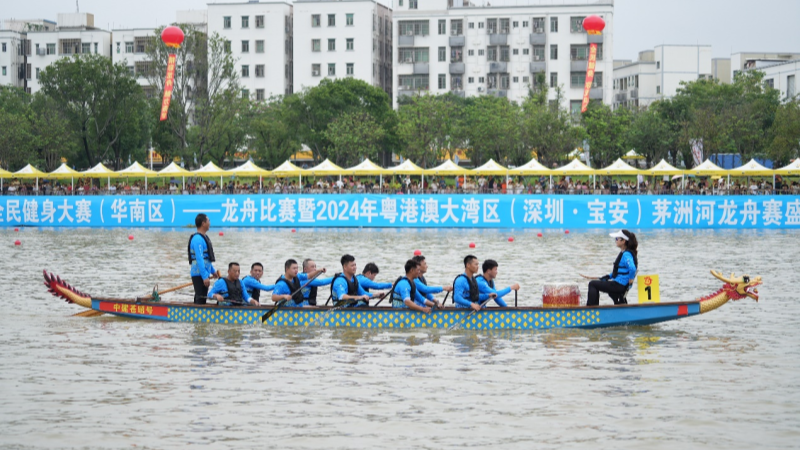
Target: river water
[[727, 379]]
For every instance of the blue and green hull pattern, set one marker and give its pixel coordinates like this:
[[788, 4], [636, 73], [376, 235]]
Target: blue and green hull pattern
[[525, 318]]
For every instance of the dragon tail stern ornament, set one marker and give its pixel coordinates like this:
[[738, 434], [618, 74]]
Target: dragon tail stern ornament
[[735, 288], [62, 289]]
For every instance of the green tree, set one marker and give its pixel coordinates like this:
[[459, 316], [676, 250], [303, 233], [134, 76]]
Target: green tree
[[426, 127], [271, 134], [53, 135], [494, 130], [649, 135], [16, 135], [354, 136], [548, 128], [606, 131], [785, 133]]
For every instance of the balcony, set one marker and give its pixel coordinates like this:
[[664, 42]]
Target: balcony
[[596, 93], [621, 97], [458, 93], [457, 41], [497, 92], [498, 39], [635, 93], [594, 39], [498, 67], [457, 68], [579, 65], [538, 39], [538, 66], [421, 68], [405, 40]]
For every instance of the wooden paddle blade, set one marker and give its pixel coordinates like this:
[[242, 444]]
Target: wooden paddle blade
[[89, 313], [269, 313]]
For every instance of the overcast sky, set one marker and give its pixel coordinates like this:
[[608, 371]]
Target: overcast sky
[[729, 26]]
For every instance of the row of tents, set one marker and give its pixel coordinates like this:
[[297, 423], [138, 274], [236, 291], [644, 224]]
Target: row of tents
[[368, 168]]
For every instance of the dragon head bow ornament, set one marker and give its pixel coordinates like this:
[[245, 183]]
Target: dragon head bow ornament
[[738, 288]]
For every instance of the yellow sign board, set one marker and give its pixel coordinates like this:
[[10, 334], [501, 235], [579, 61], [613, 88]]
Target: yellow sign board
[[648, 289]]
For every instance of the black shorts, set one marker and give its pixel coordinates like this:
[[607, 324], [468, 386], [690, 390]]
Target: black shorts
[[200, 291]]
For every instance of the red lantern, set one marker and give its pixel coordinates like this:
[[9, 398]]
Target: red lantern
[[172, 36], [594, 24]]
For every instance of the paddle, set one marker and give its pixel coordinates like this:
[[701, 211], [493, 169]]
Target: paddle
[[269, 313], [515, 299], [385, 294], [467, 316]]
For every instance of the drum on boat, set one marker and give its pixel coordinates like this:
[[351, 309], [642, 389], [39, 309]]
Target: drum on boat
[[559, 295]]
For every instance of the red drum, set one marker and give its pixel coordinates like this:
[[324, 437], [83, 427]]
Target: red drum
[[561, 295]]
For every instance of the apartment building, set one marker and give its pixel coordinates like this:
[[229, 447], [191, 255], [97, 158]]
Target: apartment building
[[130, 48], [453, 46], [757, 60], [74, 34], [658, 73], [259, 34], [342, 38], [783, 77]]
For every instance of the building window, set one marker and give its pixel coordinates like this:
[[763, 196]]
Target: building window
[[349, 20], [526, 80], [471, 25], [581, 52], [86, 48], [245, 21], [350, 69], [442, 27], [414, 28], [491, 26], [471, 80], [554, 24], [524, 24], [259, 46], [526, 51], [350, 44], [331, 45], [516, 51], [315, 69], [505, 26], [413, 55], [505, 54], [331, 20], [481, 80], [442, 53], [315, 45], [51, 48], [245, 46], [259, 92], [128, 47], [38, 71], [442, 81], [553, 79], [658, 64], [576, 24], [456, 27], [259, 24], [412, 4], [245, 93], [259, 70], [332, 70], [516, 79], [481, 25], [515, 24], [4, 50], [315, 20], [413, 82], [538, 52], [245, 71], [227, 46], [5, 72], [226, 22], [790, 86], [538, 24], [575, 106], [471, 52], [480, 52], [658, 89]]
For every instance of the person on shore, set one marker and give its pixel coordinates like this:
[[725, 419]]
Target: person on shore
[[231, 290], [252, 282], [345, 287], [366, 279], [287, 286], [616, 283], [422, 284], [201, 257], [465, 288], [310, 292], [486, 282], [405, 294]]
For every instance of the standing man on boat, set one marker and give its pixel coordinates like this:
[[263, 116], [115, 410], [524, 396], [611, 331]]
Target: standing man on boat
[[287, 286], [201, 255], [486, 282], [405, 293], [465, 288], [345, 285], [310, 292], [367, 278], [231, 290], [422, 284], [252, 282]]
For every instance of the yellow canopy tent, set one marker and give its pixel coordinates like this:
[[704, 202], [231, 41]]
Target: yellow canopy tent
[[367, 167], [663, 168], [575, 167], [174, 170], [30, 172], [448, 168], [707, 169], [99, 171], [288, 170], [4, 174], [751, 169], [63, 172], [490, 168], [210, 170], [632, 155], [326, 168], [137, 170], [618, 167], [250, 169], [532, 167], [408, 168], [791, 169]]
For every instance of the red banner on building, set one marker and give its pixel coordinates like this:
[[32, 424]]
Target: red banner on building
[[169, 83], [589, 76]]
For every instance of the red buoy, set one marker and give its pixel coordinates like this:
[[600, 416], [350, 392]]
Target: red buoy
[[130, 237], [539, 234], [17, 243], [471, 245], [16, 229], [566, 232], [294, 231], [417, 252], [221, 233], [511, 239]]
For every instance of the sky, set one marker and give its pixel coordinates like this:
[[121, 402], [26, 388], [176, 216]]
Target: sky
[[729, 26]]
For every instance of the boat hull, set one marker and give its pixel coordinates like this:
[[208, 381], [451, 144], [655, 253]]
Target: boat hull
[[389, 318]]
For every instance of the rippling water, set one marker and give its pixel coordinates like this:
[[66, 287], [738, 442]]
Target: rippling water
[[728, 379]]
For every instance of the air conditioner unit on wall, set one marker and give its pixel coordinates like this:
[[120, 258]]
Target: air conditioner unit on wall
[[480, 88]]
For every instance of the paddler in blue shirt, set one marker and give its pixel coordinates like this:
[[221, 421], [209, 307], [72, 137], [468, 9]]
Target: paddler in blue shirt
[[465, 288], [201, 255], [422, 284], [310, 292], [486, 282], [252, 282], [346, 289], [287, 286], [231, 290], [367, 278], [405, 294]]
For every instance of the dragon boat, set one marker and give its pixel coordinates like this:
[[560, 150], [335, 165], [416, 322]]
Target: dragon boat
[[491, 318]]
